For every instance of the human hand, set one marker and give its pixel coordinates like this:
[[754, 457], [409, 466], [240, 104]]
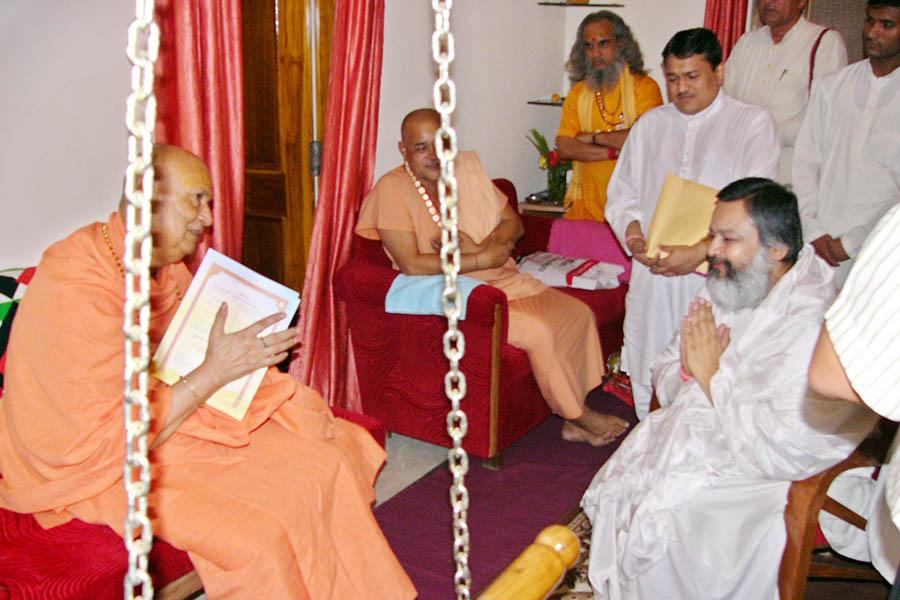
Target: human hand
[[585, 137], [679, 260], [494, 255], [836, 247], [637, 245], [822, 246], [702, 343], [230, 356]]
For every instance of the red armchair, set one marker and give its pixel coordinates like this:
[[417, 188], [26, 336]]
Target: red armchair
[[400, 362]]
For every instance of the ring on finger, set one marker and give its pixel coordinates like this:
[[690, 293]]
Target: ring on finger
[[263, 340]]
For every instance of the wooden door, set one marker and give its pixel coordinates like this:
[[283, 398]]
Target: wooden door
[[279, 38]]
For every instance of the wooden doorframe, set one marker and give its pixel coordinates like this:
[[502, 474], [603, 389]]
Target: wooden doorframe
[[278, 79]]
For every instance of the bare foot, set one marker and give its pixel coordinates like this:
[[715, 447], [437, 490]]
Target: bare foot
[[610, 428]]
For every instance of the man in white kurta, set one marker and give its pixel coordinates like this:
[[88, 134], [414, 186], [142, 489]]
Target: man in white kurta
[[859, 339], [770, 66], [692, 503], [704, 136], [847, 158]]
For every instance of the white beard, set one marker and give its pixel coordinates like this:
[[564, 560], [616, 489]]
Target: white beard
[[743, 288], [605, 79]]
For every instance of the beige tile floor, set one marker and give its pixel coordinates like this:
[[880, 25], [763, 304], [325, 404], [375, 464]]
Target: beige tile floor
[[408, 460]]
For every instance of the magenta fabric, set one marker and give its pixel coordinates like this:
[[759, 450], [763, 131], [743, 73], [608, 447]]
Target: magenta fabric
[[324, 360], [200, 91], [588, 239], [542, 479], [728, 20]]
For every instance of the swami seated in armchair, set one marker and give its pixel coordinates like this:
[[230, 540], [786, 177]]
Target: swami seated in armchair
[[277, 505], [557, 332]]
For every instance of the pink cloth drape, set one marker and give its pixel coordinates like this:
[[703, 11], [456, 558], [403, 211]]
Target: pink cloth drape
[[200, 91], [324, 361], [727, 19]]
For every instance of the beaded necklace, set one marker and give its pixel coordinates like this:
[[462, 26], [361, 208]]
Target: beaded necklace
[[112, 251], [425, 197], [105, 229], [606, 115]]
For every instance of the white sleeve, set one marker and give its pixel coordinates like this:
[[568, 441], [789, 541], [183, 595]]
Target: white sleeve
[[863, 322], [622, 202], [761, 148], [807, 164], [831, 56]]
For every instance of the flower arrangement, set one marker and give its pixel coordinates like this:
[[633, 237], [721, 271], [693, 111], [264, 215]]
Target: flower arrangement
[[550, 161]]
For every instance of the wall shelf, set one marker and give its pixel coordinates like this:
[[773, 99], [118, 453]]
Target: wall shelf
[[545, 102]]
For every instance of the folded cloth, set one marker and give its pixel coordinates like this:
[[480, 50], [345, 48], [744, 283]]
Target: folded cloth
[[421, 294], [564, 271], [588, 239]]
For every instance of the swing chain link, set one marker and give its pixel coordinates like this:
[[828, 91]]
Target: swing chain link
[[140, 119], [453, 340]]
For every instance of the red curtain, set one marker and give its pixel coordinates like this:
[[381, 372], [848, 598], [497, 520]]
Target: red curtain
[[324, 361], [727, 18], [200, 91]]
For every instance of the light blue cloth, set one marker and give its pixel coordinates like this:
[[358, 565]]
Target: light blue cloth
[[421, 294]]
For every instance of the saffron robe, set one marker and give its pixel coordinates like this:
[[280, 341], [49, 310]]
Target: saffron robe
[[633, 95], [725, 141], [277, 505], [557, 331], [691, 505]]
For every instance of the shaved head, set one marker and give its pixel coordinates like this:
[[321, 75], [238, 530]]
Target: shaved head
[[182, 197], [416, 145], [414, 118]]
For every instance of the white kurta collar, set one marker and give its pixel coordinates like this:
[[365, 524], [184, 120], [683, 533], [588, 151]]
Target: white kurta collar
[[710, 110], [792, 32]]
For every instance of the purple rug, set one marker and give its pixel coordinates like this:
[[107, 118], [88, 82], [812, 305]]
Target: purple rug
[[542, 480]]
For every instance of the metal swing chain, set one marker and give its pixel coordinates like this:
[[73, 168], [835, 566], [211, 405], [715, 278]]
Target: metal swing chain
[[140, 119], [454, 342]]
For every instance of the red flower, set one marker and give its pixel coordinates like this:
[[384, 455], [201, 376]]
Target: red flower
[[553, 158]]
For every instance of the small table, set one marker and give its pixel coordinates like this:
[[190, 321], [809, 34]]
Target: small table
[[542, 209]]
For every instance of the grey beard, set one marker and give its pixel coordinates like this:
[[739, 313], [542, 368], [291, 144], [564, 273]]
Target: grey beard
[[745, 288], [606, 78]]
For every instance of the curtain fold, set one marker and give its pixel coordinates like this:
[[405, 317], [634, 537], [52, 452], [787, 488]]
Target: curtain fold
[[324, 361], [200, 92], [728, 20]]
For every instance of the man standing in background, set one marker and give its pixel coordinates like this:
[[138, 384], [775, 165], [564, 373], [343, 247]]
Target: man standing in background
[[610, 90], [774, 67], [846, 170]]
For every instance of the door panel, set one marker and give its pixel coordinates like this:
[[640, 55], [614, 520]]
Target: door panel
[[278, 41]]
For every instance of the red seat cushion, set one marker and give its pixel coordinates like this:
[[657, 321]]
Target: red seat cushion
[[73, 561]]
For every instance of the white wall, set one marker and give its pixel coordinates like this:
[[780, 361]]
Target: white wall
[[507, 51], [64, 81], [652, 22]]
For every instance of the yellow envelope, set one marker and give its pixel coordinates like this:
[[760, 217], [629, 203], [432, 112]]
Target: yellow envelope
[[682, 215]]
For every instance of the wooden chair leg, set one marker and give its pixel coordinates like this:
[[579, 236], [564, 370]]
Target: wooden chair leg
[[186, 586], [800, 516]]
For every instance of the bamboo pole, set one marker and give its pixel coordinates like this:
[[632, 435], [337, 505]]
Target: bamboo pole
[[539, 569]]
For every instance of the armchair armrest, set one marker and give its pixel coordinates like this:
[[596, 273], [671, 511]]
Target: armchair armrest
[[368, 284]]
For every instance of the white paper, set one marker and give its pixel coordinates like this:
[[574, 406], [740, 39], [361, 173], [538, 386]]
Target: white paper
[[557, 270], [250, 297]]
